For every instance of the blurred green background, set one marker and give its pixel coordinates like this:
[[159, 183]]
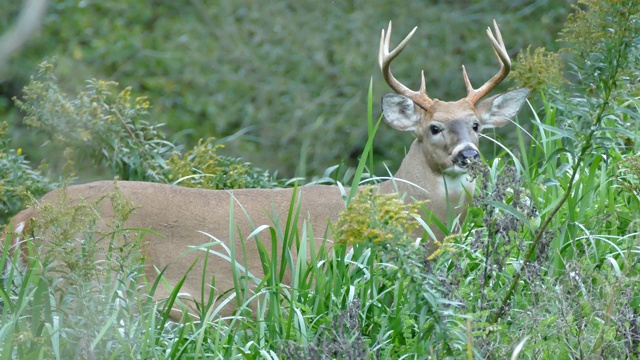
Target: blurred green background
[[290, 76]]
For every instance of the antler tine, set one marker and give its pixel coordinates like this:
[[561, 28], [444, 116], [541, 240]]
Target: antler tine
[[473, 95], [385, 57]]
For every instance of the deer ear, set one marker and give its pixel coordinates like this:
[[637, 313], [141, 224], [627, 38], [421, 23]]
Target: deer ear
[[400, 112], [499, 109]]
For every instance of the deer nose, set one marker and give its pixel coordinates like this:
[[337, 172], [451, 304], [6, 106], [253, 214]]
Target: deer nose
[[466, 156]]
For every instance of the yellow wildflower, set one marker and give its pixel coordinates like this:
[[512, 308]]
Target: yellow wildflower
[[377, 218]]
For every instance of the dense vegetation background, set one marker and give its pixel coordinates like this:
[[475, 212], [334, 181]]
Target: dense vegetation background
[[545, 265], [291, 76]]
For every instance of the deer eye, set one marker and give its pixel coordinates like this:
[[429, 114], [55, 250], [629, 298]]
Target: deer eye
[[476, 127], [434, 129]]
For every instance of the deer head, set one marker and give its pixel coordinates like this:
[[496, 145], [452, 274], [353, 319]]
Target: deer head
[[447, 132]]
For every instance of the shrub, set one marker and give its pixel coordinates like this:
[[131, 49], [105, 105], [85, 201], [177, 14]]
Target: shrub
[[19, 182], [203, 168], [101, 126]]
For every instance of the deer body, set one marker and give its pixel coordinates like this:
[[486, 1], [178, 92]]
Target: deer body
[[434, 169], [181, 215]]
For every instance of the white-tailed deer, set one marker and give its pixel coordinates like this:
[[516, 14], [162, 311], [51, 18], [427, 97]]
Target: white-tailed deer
[[433, 169]]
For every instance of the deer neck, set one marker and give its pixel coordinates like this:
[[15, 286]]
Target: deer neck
[[447, 195]]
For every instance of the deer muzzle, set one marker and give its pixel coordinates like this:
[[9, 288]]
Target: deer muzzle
[[466, 156]]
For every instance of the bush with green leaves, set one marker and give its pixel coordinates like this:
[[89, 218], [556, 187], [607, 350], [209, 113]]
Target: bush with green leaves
[[102, 125], [20, 182], [203, 168]]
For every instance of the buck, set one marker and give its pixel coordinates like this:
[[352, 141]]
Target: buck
[[434, 169]]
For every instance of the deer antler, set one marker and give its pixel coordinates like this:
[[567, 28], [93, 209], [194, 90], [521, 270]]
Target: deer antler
[[473, 95], [385, 57]]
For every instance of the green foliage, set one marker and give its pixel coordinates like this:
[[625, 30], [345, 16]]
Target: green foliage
[[384, 224], [19, 182], [102, 125], [203, 168], [343, 340], [541, 70], [377, 218], [628, 175], [589, 29], [553, 262], [81, 297]]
